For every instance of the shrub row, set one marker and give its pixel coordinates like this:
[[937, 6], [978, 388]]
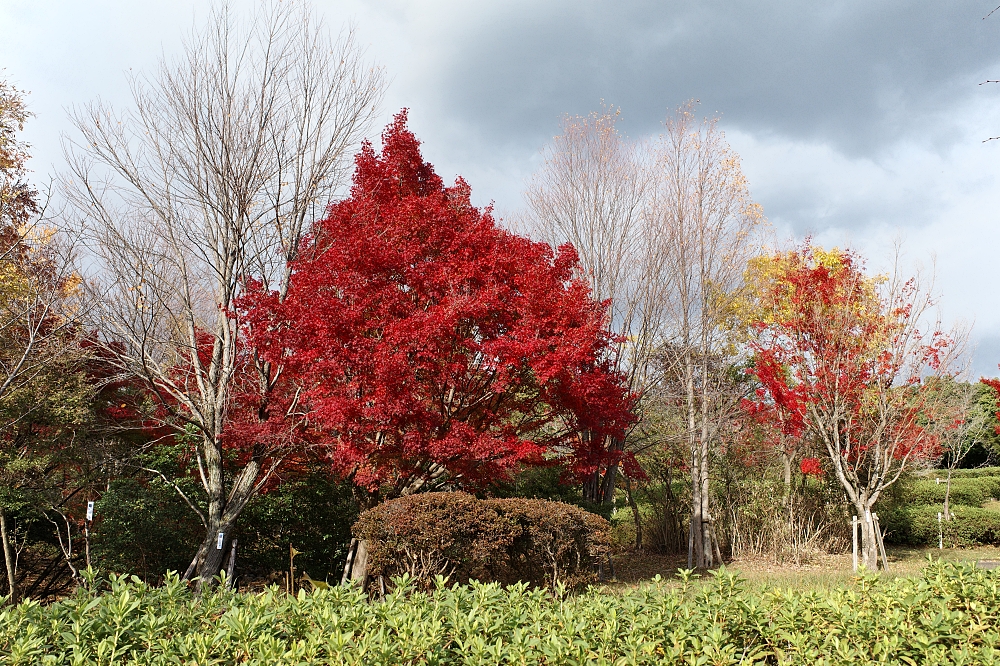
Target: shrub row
[[970, 491], [918, 526], [966, 473], [947, 616], [463, 538]]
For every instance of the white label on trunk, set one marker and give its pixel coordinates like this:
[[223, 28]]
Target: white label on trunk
[[90, 510], [222, 537]]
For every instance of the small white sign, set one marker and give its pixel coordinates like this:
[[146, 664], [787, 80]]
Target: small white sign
[[222, 537], [90, 511]]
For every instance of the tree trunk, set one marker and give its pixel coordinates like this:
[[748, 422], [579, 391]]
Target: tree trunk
[[696, 541], [356, 567], [700, 547], [600, 487], [223, 512], [947, 496], [786, 464], [706, 516], [869, 540], [635, 513], [8, 556]]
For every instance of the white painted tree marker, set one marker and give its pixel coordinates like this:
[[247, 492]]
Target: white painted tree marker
[[222, 537], [90, 511]]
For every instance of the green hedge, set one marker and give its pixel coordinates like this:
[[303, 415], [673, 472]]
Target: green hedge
[[965, 473], [964, 491], [946, 616], [918, 526]]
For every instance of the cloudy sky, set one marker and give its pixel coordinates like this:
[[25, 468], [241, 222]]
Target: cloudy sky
[[859, 123]]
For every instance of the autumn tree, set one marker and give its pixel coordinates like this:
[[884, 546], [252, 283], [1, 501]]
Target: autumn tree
[[850, 362], [213, 177], [593, 191], [39, 334], [711, 227], [429, 348], [959, 424]]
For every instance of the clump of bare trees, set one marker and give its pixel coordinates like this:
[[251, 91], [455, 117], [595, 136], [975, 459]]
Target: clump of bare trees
[[664, 229]]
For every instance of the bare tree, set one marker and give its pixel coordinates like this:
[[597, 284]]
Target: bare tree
[[711, 228], [592, 191], [211, 178], [959, 424]]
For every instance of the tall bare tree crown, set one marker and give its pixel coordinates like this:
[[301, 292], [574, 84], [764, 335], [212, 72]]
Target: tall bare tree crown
[[212, 177]]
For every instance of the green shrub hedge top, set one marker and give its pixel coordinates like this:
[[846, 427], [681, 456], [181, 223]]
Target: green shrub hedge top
[[949, 615], [918, 526], [964, 473], [964, 491]]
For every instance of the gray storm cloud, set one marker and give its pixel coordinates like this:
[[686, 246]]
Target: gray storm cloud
[[859, 75]]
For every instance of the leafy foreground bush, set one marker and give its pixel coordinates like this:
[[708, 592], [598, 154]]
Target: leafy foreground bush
[[507, 540], [949, 615]]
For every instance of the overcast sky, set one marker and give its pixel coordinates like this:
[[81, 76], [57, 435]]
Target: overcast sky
[[859, 123]]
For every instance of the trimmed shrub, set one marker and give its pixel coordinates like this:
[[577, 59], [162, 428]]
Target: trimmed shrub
[[463, 538], [973, 473], [553, 542], [431, 534], [964, 491], [918, 526]]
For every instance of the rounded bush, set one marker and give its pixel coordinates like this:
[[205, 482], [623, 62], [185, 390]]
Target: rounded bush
[[463, 538]]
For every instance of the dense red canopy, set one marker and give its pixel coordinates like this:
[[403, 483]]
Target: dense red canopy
[[428, 343]]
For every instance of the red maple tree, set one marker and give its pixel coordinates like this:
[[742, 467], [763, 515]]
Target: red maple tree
[[844, 366], [425, 345]]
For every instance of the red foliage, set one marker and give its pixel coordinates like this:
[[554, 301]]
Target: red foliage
[[994, 384], [811, 467], [832, 353], [417, 332]]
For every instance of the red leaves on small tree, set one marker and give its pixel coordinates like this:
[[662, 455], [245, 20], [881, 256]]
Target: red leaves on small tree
[[843, 364], [426, 344], [830, 347], [811, 467]]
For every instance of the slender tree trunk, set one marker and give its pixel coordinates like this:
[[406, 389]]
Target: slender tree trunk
[[600, 487], [635, 512], [786, 463], [947, 496], [869, 540], [696, 541], [709, 546], [8, 556], [706, 511]]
